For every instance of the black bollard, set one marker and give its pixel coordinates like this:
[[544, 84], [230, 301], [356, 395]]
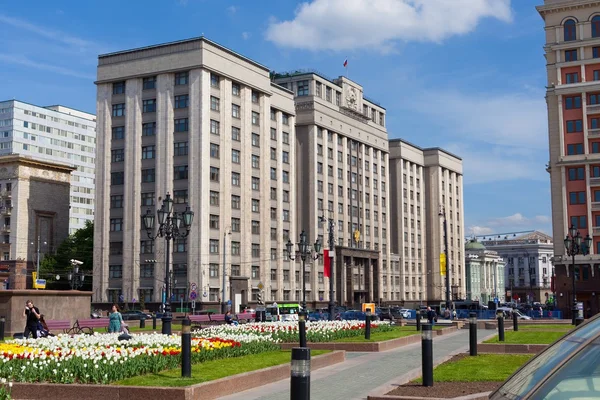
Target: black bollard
[[578, 321], [500, 327], [2, 324], [368, 326], [154, 322], [166, 324], [300, 374], [515, 322], [302, 328], [186, 348], [473, 334], [427, 355], [418, 319], [142, 322]]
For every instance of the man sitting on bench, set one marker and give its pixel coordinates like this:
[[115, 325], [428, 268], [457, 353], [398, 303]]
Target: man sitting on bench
[[229, 319]]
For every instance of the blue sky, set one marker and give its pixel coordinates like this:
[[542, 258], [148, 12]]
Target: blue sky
[[465, 75]]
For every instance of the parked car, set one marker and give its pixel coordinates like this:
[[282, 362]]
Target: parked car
[[385, 313], [135, 315], [567, 369], [95, 314]]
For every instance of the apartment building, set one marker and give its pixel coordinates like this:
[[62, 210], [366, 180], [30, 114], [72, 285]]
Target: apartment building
[[56, 134], [426, 187], [208, 126], [342, 174], [528, 257], [484, 273], [572, 52]]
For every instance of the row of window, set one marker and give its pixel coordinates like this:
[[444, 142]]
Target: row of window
[[570, 28], [578, 173]]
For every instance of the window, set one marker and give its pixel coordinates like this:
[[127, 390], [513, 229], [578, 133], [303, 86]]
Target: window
[[576, 174], [119, 87], [149, 105], [118, 110], [235, 134], [235, 111], [117, 178], [575, 126], [214, 150], [285, 157], [213, 270], [285, 119], [180, 172], [328, 94], [255, 118], [214, 80], [213, 246], [148, 152], [117, 155], [255, 272], [255, 97], [594, 99], [572, 102], [255, 227], [180, 196], [597, 75], [236, 202], [574, 149], [273, 174], [580, 222], [116, 201], [235, 89], [148, 199], [572, 77], [286, 176], [570, 55], [255, 183], [596, 52], [302, 88], [214, 198], [148, 175], [182, 101], [181, 125], [149, 129], [116, 224], [214, 174], [118, 132], [146, 246], [180, 149], [596, 26], [235, 156], [285, 137], [596, 147], [149, 83], [213, 221], [338, 98], [236, 225], [235, 179], [181, 78], [255, 161], [115, 271], [255, 250], [577, 198], [214, 103], [570, 28], [214, 127]]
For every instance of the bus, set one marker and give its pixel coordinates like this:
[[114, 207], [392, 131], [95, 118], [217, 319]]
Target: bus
[[282, 312]]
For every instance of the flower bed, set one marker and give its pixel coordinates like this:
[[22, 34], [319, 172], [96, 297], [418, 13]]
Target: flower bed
[[102, 358], [287, 332]]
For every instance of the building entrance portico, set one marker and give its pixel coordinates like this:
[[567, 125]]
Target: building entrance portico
[[356, 276]]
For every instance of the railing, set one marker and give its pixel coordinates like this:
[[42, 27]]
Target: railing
[[593, 109], [592, 133], [596, 230], [595, 205], [595, 181]]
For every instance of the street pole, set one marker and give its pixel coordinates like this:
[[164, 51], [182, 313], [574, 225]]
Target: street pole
[[331, 269], [166, 319], [575, 310], [223, 299], [447, 261], [38, 258]]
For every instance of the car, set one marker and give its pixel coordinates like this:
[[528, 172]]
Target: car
[[96, 314], [385, 313], [405, 312], [135, 315], [567, 369]]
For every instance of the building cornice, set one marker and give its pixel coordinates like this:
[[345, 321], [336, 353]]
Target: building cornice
[[566, 6], [28, 161]]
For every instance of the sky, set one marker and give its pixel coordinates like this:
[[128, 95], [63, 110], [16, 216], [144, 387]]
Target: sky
[[464, 75]]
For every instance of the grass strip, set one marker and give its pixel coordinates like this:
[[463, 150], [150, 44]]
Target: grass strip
[[216, 369], [381, 336], [528, 337], [481, 368], [548, 327]]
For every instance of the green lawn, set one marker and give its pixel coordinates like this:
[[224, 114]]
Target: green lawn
[[545, 327], [528, 337], [216, 369], [376, 336], [481, 368]]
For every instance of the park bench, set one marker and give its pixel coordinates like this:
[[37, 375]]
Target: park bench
[[198, 320], [87, 325], [246, 317], [217, 318], [61, 326]]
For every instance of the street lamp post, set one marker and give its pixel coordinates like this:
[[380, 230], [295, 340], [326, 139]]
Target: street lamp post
[[304, 251], [575, 246], [76, 277], [331, 264], [170, 227], [442, 213]]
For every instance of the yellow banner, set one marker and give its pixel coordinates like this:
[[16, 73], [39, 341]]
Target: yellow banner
[[443, 264]]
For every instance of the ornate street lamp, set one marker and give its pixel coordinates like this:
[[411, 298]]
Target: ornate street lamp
[[169, 227], [576, 245]]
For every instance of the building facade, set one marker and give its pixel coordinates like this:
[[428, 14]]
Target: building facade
[[572, 52], [342, 173], [28, 220], [528, 257], [425, 183], [208, 126], [56, 134], [484, 273]]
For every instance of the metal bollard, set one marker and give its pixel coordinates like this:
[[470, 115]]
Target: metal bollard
[[418, 319], [300, 374], [142, 322], [368, 326], [473, 334], [186, 348], [154, 322], [302, 328], [427, 355], [578, 321], [2, 325], [515, 322], [500, 327]]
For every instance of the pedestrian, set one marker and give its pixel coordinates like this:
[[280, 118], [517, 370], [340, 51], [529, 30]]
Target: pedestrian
[[453, 314], [447, 313], [32, 314], [431, 316], [115, 320]]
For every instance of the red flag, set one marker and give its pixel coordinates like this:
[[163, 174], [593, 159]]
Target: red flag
[[326, 266]]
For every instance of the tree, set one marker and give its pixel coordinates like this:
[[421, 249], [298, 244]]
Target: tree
[[79, 246]]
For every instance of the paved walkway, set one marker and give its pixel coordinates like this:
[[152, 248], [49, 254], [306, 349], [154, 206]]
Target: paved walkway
[[363, 373]]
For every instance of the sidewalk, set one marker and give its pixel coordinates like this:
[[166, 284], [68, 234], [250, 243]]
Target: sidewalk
[[362, 373]]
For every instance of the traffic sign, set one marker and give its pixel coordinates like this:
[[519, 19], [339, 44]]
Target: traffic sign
[[193, 287], [193, 295], [133, 301], [496, 300], [228, 302], [260, 286], [193, 304], [121, 298]]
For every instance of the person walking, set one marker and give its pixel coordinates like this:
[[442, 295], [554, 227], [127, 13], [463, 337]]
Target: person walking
[[431, 316], [115, 320], [32, 315]]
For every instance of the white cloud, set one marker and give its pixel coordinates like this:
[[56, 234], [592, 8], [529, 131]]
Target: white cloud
[[479, 230], [24, 61], [377, 24], [245, 35], [515, 222], [232, 9]]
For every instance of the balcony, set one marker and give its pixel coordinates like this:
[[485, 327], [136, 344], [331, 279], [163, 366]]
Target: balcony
[[595, 181], [593, 133], [596, 231], [6, 211], [593, 109], [6, 228], [595, 205]]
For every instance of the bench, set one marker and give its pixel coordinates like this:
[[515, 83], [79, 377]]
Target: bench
[[247, 317], [87, 325], [198, 320], [216, 318], [58, 325]]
